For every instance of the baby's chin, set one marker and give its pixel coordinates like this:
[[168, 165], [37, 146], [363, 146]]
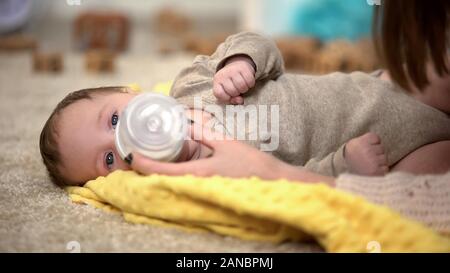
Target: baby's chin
[[193, 150]]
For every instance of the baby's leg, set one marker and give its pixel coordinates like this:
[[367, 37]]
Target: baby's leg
[[433, 158], [365, 155]]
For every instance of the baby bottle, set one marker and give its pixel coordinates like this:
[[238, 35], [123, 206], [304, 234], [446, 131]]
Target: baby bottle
[[153, 125]]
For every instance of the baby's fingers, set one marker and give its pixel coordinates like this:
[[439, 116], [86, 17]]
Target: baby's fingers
[[220, 93], [239, 83], [249, 78], [382, 160], [378, 149], [230, 88], [237, 100], [383, 164]]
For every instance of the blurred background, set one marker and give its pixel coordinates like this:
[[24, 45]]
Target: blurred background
[[49, 48], [315, 36]]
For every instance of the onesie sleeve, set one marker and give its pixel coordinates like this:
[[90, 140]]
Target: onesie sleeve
[[197, 79], [423, 198], [263, 51], [331, 165]]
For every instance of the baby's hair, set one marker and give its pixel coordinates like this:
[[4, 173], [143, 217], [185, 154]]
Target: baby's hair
[[48, 144]]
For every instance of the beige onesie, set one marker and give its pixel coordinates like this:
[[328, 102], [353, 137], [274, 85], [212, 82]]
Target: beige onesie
[[317, 114]]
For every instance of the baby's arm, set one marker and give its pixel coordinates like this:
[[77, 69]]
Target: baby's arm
[[262, 51], [198, 79], [365, 155], [254, 58], [362, 155], [234, 79]]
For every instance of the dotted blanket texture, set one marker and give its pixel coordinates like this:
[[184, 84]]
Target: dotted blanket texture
[[254, 209]]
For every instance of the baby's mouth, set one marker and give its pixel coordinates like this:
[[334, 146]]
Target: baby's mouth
[[196, 155], [189, 153], [193, 153]]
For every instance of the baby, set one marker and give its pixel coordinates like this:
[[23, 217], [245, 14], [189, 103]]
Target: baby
[[329, 124]]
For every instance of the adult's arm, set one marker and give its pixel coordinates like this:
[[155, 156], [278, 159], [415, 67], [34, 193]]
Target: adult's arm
[[230, 158]]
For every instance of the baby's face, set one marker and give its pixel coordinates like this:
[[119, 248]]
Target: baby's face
[[86, 136]]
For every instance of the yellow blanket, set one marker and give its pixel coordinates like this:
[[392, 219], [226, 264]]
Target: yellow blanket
[[254, 209]]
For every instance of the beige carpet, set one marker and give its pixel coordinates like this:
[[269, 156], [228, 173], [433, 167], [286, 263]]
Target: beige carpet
[[36, 216]]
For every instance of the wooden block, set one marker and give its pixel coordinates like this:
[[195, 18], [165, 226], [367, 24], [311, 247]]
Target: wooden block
[[189, 41], [170, 21], [202, 45], [17, 42], [309, 55], [101, 30], [47, 62], [165, 47], [346, 56], [334, 56], [298, 53], [100, 61], [366, 55]]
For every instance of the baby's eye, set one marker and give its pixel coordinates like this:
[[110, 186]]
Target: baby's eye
[[114, 120], [109, 160]]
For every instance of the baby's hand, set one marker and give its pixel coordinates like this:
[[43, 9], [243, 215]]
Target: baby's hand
[[234, 79], [365, 155]]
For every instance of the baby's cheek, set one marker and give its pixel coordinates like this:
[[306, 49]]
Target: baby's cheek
[[121, 165]]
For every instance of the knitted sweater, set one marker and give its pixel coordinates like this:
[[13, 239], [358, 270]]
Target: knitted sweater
[[424, 198], [317, 114]]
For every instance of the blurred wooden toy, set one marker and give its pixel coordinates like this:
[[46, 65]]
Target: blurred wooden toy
[[334, 56], [100, 61], [101, 30], [298, 53], [366, 55], [345, 56], [17, 42], [47, 62], [166, 47], [168, 20], [203, 45], [309, 55]]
